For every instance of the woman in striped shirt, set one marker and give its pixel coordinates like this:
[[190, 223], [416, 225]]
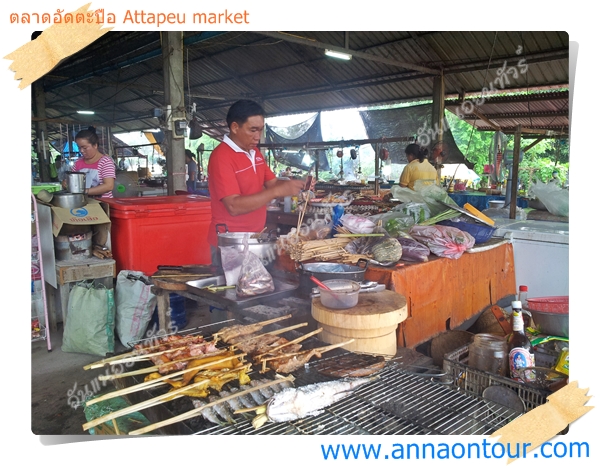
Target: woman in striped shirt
[[99, 169]]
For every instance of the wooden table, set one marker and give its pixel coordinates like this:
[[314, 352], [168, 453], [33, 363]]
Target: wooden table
[[68, 272], [443, 294]]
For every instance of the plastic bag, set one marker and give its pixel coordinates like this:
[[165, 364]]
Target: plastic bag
[[135, 303], [443, 241], [395, 223], [254, 278], [90, 326], [555, 198], [431, 195], [413, 251], [357, 224], [231, 261]]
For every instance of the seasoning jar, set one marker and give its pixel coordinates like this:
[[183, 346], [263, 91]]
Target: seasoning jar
[[489, 353]]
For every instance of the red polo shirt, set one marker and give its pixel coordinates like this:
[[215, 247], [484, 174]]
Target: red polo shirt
[[231, 172]]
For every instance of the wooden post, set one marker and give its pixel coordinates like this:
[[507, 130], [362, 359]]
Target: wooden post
[[437, 118], [172, 51], [515, 174]]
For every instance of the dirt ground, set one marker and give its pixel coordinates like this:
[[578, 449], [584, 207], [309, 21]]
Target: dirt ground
[[58, 380]]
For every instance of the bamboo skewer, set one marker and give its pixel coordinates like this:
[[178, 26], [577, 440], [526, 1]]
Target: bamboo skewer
[[102, 362], [274, 332], [143, 385], [151, 402], [260, 324], [292, 342], [196, 411], [151, 369], [322, 349], [148, 356]]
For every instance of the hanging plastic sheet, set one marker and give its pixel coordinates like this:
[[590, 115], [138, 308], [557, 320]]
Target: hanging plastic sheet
[[302, 133], [414, 121]]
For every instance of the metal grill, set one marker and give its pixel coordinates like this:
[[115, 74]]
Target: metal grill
[[398, 402]]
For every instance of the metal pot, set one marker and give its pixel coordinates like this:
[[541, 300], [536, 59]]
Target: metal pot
[[69, 200], [75, 182], [330, 271], [264, 246]]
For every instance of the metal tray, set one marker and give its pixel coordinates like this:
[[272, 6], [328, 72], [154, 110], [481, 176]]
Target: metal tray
[[230, 300]]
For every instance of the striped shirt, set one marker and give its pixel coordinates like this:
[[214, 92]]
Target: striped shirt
[[96, 172]]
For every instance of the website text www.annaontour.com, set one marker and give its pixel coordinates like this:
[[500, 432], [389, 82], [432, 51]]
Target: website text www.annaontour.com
[[458, 450]]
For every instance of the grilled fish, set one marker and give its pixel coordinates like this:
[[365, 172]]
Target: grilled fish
[[222, 409], [234, 403], [207, 413], [310, 400]]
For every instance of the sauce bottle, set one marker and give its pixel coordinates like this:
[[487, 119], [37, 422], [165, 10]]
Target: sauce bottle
[[520, 350]]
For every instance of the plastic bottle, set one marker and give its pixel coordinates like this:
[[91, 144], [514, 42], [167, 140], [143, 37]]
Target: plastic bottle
[[520, 350], [287, 204], [523, 295]]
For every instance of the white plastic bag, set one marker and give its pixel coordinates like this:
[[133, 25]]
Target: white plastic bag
[[555, 198], [231, 261], [135, 304]]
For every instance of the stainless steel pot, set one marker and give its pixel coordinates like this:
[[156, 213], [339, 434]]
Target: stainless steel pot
[[75, 182], [264, 246], [69, 200]]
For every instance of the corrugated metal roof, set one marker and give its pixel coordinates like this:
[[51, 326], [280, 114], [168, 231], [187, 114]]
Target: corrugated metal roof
[[120, 76]]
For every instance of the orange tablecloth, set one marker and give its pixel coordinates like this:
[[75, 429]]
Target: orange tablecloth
[[441, 294]]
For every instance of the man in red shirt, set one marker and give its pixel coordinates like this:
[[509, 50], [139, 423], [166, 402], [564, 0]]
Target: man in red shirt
[[240, 182]]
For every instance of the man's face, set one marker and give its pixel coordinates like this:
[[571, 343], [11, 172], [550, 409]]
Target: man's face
[[247, 135]]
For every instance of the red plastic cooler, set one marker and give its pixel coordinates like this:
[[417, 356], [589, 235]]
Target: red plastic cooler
[[165, 230]]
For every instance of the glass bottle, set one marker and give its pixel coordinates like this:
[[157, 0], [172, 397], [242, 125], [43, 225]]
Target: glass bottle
[[520, 350]]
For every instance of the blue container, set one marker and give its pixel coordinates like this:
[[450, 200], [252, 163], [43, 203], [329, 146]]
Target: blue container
[[176, 314], [481, 233]]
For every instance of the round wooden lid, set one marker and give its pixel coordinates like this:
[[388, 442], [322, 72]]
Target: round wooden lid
[[374, 310]]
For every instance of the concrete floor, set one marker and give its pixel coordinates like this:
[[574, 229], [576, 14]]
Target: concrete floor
[[57, 376]]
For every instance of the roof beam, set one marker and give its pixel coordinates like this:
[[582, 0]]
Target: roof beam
[[354, 53]]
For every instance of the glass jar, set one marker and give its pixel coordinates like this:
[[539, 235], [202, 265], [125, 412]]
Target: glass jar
[[489, 353]]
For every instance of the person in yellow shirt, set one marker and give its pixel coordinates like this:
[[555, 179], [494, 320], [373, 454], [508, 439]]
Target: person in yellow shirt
[[418, 167]]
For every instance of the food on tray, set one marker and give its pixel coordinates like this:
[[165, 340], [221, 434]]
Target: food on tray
[[310, 400]]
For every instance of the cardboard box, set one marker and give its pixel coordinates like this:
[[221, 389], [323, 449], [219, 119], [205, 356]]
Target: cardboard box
[[94, 213]]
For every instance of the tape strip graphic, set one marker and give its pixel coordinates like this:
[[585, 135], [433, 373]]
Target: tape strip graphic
[[59, 41], [544, 422]]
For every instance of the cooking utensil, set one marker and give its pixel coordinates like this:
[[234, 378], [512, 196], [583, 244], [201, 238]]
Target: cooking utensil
[[76, 182], [69, 200], [319, 283], [264, 246]]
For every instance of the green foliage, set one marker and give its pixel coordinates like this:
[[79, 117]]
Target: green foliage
[[538, 163]]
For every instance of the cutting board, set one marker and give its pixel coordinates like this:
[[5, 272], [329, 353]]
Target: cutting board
[[372, 323]]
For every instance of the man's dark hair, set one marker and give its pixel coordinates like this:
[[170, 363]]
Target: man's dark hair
[[243, 109]]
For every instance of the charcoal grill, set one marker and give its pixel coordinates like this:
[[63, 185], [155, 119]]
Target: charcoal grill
[[405, 400], [399, 402]]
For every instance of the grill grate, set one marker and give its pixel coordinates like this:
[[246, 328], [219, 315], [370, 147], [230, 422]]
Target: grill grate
[[399, 402]]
